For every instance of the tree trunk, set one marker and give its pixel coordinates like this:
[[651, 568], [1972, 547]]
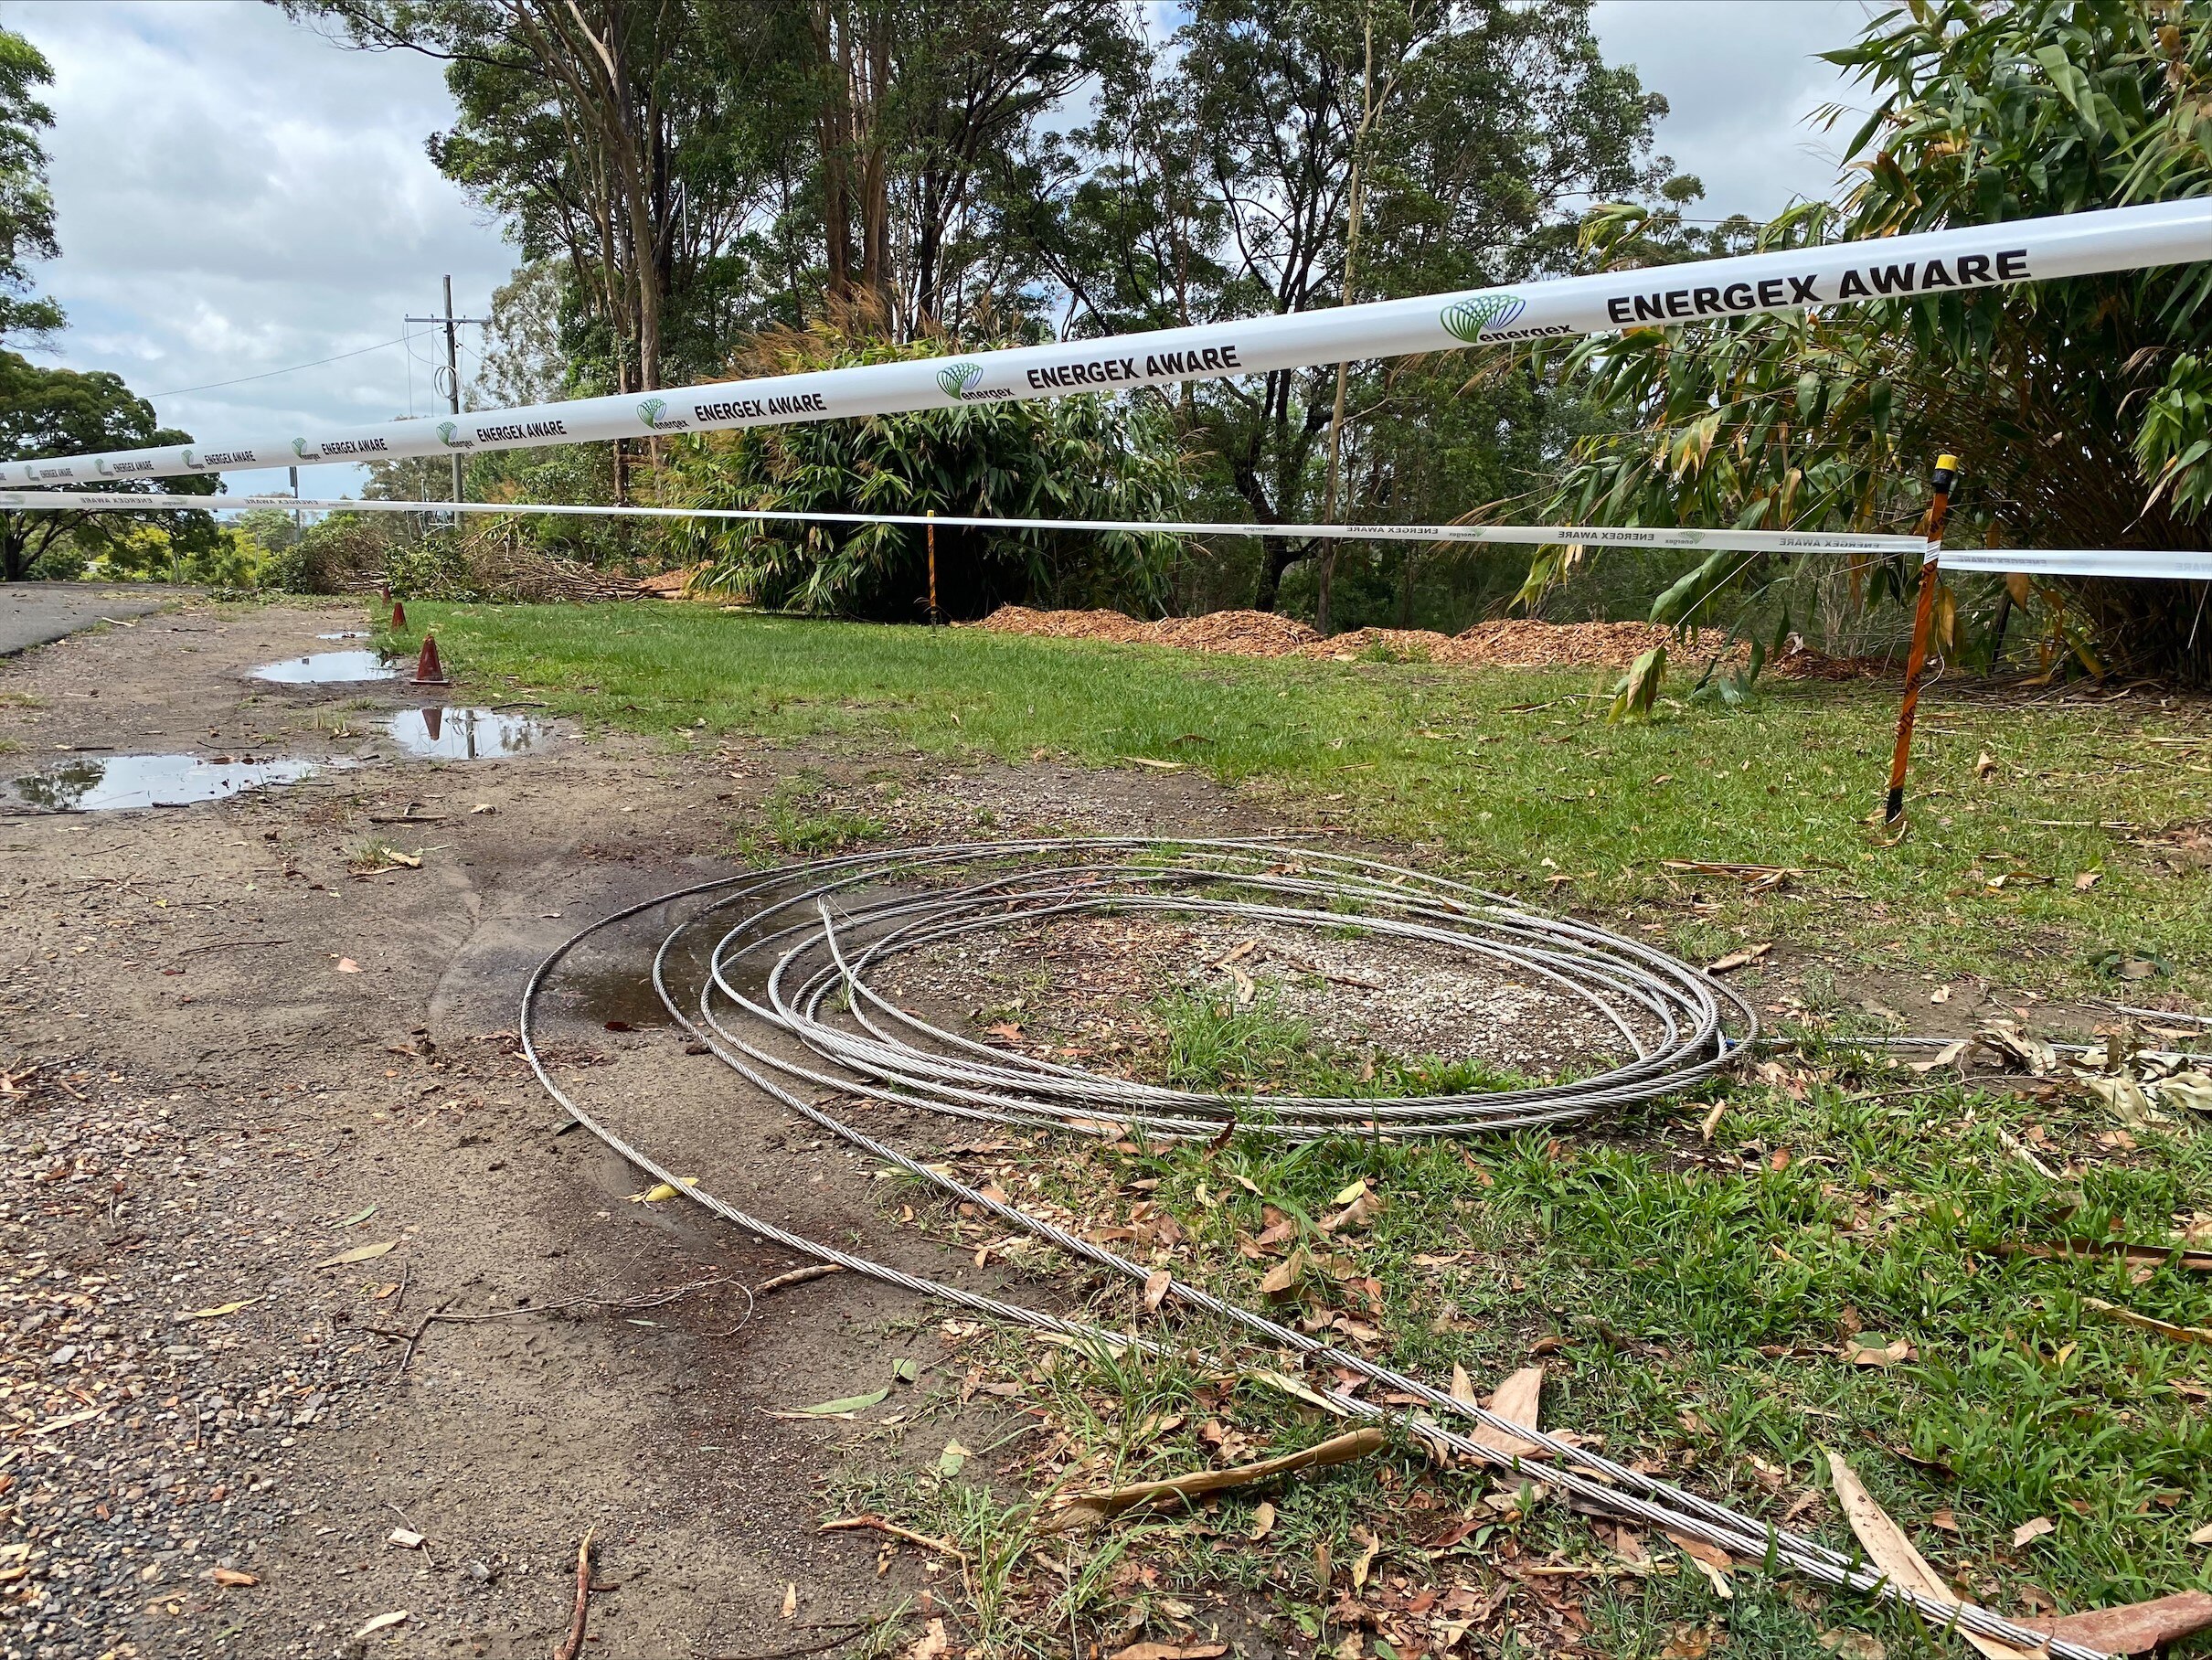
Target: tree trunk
[[1278, 554]]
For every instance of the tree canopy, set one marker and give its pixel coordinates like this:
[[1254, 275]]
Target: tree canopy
[[49, 411]]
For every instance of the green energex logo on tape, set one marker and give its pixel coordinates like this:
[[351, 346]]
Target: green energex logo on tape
[[959, 379], [1468, 319]]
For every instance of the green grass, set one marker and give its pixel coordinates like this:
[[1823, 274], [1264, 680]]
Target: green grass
[[1701, 1299], [1497, 771]]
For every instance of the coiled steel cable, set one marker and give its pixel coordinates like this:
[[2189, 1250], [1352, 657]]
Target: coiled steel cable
[[809, 932]]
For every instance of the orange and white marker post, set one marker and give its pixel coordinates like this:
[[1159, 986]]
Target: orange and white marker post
[[1923, 620]]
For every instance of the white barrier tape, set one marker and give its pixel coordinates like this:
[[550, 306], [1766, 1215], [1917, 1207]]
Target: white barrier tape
[[1933, 262], [2170, 564], [1725, 541], [2155, 563]]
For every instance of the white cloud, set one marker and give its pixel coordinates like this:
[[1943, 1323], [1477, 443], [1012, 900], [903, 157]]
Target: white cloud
[[1741, 80], [236, 194]]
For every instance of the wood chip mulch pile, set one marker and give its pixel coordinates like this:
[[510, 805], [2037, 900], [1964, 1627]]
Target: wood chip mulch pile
[[1512, 643]]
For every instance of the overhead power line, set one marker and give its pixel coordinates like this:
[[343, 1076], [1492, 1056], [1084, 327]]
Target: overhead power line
[[294, 368]]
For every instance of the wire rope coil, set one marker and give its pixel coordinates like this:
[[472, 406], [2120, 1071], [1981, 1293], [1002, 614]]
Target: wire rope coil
[[786, 1000]]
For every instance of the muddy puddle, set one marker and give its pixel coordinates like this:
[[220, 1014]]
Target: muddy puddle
[[618, 998], [437, 734], [330, 668], [109, 782]]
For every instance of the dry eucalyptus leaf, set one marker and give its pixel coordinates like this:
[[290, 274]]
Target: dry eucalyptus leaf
[[359, 1253]]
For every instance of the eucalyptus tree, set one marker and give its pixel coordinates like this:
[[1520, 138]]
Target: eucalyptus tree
[[1216, 179]]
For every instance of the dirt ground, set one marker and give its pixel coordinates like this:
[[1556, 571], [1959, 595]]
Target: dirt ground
[[232, 1054]]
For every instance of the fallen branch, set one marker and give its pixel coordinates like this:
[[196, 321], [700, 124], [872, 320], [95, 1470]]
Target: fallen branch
[[1090, 1510], [577, 1620]]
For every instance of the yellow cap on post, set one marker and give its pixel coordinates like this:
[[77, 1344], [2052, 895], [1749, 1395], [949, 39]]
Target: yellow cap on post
[[1947, 463]]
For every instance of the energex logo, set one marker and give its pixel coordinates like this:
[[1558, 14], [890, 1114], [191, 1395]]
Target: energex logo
[[190, 459], [100, 465], [299, 448], [446, 431], [958, 380], [1484, 315]]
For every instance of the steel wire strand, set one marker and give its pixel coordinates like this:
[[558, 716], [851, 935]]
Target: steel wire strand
[[1635, 1495]]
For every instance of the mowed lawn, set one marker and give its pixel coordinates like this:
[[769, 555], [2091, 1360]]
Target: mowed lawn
[[1828, 1262], [1512, 778]]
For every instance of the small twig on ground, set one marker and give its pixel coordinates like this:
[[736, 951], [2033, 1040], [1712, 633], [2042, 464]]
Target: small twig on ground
[[850, 1630], [193, 950], [415, 1336], [797, 1276], [438, 1315], [845, 1523], [575, 1644]]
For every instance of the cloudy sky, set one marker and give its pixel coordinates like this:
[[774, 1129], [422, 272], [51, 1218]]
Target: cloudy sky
[[238, 197]]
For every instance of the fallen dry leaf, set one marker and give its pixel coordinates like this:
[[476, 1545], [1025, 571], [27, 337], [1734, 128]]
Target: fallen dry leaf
[[232, 1577], [219, 1310], [1363, 1564], [398, 1617], [1710, 1560], [2026, 1533], [1737, 959], [1891, 1551], [346, 966], [930, 1643], [1283, 1279], [1090, 1510], [1156, 1286], [2164, 1328], [1517, 1400], [2087, 879], [1169, 1651], [359, 1253], [790, 1598], [1889, 1354]]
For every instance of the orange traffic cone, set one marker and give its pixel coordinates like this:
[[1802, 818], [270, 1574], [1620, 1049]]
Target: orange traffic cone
[[428, 671], [398, 618]]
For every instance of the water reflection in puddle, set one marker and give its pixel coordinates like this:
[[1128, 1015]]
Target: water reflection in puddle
[[103, 784], [324, 669], [447, 734], [345, 634]]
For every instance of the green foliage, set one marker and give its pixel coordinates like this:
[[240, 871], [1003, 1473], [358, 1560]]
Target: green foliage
[[27, 206], [1214, 183], [48, 411], [1075, 457], [2079, 407]]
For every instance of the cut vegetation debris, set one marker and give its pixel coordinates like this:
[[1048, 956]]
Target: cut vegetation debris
[[1512, 643]]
